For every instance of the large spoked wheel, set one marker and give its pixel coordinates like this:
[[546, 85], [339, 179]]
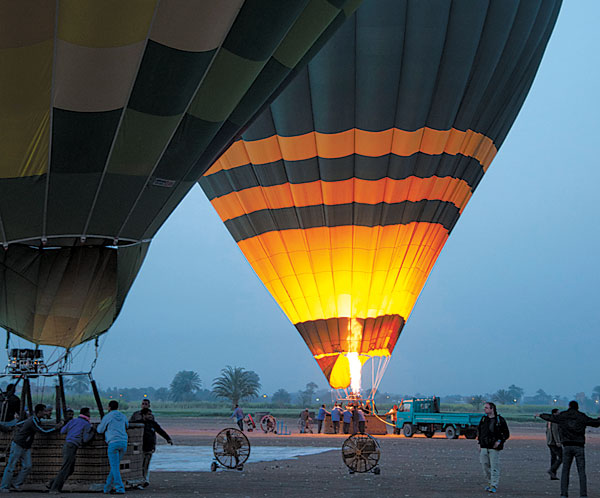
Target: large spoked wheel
[[231, 448], [361, 453], [268, 423]]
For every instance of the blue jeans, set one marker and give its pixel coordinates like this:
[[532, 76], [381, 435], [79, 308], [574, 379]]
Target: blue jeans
[[17, 453], [116, 451]]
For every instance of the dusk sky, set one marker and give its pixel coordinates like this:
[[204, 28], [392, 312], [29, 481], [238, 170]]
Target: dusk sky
[[513, 298]]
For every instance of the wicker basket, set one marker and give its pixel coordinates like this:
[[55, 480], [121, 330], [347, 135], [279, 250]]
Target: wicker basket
[[91, 467]]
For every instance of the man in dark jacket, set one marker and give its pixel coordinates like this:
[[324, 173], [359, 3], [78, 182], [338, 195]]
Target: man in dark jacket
[[79, 431], [492, 432], [20, 449], [10, 406], [151, 427], [553, 442], [571, 427]]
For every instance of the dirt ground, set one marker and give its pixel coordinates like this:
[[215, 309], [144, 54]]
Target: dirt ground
[[410, 467]]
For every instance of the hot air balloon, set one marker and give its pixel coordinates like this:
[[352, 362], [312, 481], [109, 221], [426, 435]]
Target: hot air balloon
[[107, 110], [343, 192]]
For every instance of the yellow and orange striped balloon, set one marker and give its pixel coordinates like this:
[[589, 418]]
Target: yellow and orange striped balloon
[[343, 192]]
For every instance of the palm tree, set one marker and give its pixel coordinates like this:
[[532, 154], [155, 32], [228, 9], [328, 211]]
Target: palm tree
[[78, 384], [236, 384], [503, 397], [184, 385], [476, 401]]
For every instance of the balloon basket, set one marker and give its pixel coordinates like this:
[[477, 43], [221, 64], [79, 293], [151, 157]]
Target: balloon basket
[[91, 467]]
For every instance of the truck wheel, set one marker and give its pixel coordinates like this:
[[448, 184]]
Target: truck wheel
[[471, 434], [408, 430], [451, 432]]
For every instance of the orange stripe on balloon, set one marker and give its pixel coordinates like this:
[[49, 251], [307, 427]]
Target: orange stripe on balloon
[[365, 143], [386, 190]]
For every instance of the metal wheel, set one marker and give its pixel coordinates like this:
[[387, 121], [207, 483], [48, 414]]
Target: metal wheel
[[451, 432], [360, 453], [213, 467], [231, 448], [268, 423]]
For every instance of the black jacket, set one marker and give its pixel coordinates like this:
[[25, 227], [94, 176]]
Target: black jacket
[[571, 425], [10, 407], [492, 430], [25, 433], [151, 427]]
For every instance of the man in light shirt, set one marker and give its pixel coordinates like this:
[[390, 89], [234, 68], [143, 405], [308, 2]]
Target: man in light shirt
[[114, 426]]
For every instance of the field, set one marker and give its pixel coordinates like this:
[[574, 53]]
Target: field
[[415, 467]]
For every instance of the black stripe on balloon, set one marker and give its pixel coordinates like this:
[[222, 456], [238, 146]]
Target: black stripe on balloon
[[357, 214], [394, 167]]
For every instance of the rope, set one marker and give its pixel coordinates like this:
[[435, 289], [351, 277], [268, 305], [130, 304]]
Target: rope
[[384, 421]]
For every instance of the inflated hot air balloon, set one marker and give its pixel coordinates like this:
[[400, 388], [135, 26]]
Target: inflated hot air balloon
[[107, 109], [343, 192]]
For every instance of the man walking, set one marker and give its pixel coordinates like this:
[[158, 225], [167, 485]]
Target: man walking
[[321, 417], [20, 449], [78, 430], [492, 432], [114, 426], [571, 428], [151, 427], [553, 442]]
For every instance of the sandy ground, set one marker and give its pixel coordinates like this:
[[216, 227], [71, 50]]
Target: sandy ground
[[410, 467]]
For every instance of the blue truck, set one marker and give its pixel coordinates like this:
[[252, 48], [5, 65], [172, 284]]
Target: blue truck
[[422, 415]]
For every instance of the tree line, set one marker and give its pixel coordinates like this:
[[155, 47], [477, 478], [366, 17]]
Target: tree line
[[237, 384]]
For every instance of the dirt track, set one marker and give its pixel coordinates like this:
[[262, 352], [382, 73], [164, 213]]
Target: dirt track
[[415, 467]]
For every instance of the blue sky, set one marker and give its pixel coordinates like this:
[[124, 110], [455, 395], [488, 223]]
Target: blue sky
[[513, 297]]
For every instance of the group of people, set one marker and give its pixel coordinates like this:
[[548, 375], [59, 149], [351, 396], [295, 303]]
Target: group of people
[[565, 437], [352, 417], [78, 431]]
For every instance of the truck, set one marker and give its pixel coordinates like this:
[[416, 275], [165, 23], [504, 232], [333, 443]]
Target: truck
[[423, 415]]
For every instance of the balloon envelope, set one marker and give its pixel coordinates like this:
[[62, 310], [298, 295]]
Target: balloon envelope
[[108, 113], [342, 194]]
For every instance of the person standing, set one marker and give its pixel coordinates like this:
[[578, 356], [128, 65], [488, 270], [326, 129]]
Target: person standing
[[114, 426], [336, 415], [361, 420], [492, 433], [10, 407], [20, 449], [393, 414], [553, 442], [79, 431], [571, 427], [347, 418], [304, 421], [321, 417], [238, 415], [151, 427]]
